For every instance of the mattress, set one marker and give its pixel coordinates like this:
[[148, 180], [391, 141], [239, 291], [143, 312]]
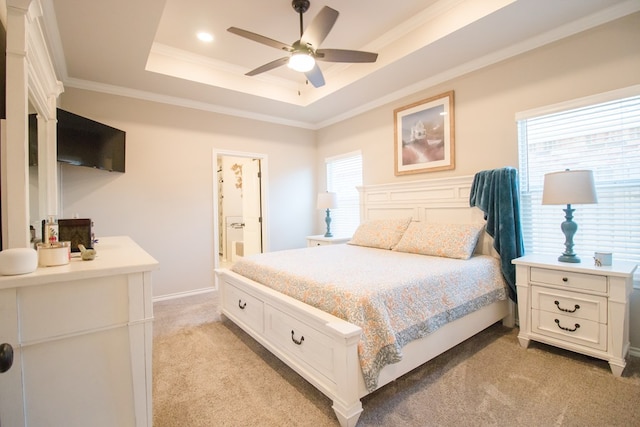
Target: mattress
[[394, 297]]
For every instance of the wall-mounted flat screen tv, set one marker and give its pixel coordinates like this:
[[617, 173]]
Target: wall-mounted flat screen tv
[[85, 142]]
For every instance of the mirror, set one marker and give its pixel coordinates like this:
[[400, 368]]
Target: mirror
[[33, 87], [34, 187]]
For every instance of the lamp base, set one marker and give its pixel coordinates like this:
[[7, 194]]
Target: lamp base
[[569, 229], [327, 219], [568, 258]]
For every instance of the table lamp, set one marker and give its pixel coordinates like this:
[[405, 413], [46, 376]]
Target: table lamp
[[327, 201], [569, 187]]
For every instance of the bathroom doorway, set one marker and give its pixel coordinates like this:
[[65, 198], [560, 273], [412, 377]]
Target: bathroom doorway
[[239, 206]]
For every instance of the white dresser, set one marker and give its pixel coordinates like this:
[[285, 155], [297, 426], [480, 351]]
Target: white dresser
[[579, 307], [82, 340]]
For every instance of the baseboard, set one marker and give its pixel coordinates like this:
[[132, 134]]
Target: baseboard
[[634, 351], [183, 294]]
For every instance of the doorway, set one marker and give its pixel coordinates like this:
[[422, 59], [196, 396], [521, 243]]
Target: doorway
[[239, 226]]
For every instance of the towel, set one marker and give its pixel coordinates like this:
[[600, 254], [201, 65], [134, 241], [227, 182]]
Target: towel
[[496, 193]]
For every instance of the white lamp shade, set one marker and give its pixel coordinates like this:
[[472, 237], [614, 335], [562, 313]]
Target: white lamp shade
[[327, 200], [569, 188]]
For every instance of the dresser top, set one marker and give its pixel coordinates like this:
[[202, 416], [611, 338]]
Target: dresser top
[[115, 255], [587, 266]]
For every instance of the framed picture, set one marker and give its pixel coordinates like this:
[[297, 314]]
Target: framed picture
[[76, 231], [424, 135]]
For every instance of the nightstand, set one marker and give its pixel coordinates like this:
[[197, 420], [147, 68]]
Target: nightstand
[[320, 240], [578, 307]]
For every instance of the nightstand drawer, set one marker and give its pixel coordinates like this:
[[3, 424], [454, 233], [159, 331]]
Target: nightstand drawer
[[571, 304], [587, 282], [312, 243], [320, 240], [566, 328]]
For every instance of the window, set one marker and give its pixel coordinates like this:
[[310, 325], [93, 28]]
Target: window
[[344, 174], [600, 133]]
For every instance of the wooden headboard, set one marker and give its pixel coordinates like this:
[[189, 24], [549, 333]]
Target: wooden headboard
[[442, 200]]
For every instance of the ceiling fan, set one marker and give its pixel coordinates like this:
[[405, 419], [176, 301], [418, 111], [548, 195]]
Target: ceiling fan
[[305, 52]]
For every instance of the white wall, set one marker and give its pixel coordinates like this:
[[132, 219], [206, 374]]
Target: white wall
[[486, 101], [164, 201]]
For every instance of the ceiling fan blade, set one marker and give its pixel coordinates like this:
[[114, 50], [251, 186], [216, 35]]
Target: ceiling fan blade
[[315, 76], [319, 28], [342, 55], [269, 66], [260, 39]]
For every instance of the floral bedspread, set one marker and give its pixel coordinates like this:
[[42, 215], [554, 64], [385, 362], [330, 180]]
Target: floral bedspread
[[394, 297]]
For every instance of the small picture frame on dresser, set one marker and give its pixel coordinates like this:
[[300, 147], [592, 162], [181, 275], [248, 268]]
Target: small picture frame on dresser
[[77, 231]]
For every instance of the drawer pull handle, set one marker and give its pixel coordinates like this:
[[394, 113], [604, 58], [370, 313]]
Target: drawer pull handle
[[241, 304], [565, 279], [293, 338], [567, 310], [567, 329]]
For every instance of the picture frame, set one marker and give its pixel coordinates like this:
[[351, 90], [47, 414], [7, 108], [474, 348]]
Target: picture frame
[[424, 135], [77, 231]]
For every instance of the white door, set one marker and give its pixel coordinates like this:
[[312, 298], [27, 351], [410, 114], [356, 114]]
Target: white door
[[252, 207]]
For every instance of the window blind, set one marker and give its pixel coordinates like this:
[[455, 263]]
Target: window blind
[[344, 174], [603, 137]]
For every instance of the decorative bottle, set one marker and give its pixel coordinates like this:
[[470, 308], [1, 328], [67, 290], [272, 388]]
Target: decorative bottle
[[51, 230]]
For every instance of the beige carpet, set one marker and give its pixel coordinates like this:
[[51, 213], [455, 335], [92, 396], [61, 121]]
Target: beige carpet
[[208, 372]]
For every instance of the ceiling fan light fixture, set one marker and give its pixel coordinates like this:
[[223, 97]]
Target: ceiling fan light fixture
[[302, 62], [303, 53]]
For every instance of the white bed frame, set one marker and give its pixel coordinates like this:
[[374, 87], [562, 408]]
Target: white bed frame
[[323, 348]]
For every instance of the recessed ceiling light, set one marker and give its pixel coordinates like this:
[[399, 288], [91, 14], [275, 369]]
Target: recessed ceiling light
[[205, 37]]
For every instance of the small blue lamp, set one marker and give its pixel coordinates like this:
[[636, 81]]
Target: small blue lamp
[[569, 187], [327, 201]]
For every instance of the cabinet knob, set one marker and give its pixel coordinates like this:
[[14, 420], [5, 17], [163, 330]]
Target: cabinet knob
[[6, 357], [565, 279]]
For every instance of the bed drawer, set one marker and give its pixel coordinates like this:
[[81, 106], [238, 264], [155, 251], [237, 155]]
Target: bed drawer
[[569, 279], [244, 307], [570, 329], [571, 304], [301, 341]]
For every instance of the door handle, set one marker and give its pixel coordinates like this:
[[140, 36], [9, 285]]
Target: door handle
[[6, 357]]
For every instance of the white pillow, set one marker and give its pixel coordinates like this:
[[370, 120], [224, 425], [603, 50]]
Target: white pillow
[[443, 240], [380, 233]]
